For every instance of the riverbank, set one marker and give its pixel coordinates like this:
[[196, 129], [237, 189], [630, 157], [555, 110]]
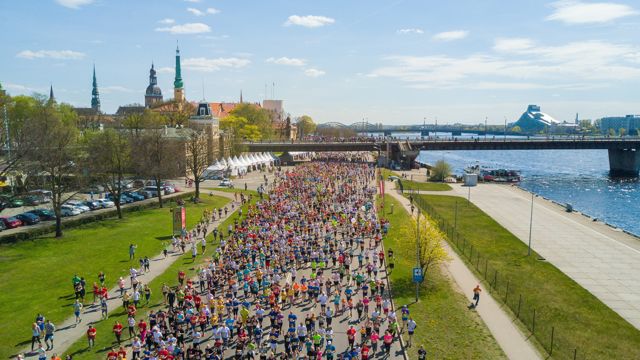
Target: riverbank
[[602, 259]]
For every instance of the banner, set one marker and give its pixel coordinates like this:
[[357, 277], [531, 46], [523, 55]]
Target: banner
[[179, 221]]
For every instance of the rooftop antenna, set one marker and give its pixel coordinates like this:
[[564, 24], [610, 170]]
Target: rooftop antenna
[[273, 90], [265, 91]]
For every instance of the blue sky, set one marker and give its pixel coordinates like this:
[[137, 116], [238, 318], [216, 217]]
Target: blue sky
[[395, 62]]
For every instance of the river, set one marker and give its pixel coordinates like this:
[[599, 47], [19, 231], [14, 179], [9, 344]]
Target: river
[[577, 177]]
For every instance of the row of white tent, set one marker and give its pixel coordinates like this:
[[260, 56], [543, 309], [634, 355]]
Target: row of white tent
[[240, 165]]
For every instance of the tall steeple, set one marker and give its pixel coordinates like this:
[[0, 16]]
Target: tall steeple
[[153, 95], [51, 97], [178, 86], [240, 96], [95, 95]]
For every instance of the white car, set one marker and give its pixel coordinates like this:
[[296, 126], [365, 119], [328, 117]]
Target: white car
[[79, 205], [105, 203], [68, 210], [152, 190], [226, 183]]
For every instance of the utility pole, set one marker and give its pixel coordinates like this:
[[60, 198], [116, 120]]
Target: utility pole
[[505, 128]]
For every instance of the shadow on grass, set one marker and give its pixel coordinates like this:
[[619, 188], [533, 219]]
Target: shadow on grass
[[166, 237]]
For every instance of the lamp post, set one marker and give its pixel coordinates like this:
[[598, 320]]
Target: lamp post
[[418, 252], [530, 226], [505, 128], [485, 127]]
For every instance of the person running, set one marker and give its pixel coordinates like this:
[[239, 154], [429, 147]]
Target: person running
[[411, 328], [91, 336], [117, 331], [476, 296], [77, 308], [422, 353], [132, 251], [35, 335], [49, 329]]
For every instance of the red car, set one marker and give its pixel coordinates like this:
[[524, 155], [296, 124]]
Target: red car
[[11, 222]]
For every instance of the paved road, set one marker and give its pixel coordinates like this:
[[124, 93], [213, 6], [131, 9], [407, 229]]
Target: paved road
[[512, 341], [601, 259]]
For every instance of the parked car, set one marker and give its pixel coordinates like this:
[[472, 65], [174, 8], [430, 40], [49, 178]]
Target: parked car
[[226, 183], [79, 204], [11, 222], [105, 203], [28, 218], [152, 190], [69, 210], [12, 202], [145, 194], [93, 205], [134, 195], [168, 189], [31, 200], [43, 214], [126, 184], [123, 199], [2, 226]]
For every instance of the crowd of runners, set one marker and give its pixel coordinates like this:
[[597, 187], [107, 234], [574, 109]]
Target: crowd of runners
[[301, 275]]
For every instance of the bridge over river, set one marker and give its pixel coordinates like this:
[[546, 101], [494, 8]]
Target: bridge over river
[[624, 153]]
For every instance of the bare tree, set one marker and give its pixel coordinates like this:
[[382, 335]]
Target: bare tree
[[56, 154], [110, 161], [197, 159], [155, 157]]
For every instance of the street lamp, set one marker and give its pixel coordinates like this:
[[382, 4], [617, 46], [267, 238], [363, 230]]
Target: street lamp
[[485, 127], [530, 226], [418, 252]]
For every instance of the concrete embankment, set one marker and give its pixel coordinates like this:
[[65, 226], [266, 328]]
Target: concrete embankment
[[602, 259]]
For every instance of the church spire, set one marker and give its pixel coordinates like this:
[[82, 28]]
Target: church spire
[[240, 96], [51, 97], [95, 95], [178, 86]]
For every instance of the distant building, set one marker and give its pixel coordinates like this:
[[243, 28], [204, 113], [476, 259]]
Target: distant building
[[630, 124], [534, 120], [153, 94], [95, 95]]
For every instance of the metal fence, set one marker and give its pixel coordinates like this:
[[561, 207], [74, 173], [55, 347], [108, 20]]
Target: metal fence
[[536, 319]]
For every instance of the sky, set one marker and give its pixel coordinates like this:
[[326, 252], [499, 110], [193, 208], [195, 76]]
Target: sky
[[391, 62]]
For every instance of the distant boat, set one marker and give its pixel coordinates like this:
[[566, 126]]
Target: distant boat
[[500, 175]]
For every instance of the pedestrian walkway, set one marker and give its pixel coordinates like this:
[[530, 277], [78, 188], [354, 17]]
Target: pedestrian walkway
[[601, 259], [512, 341], [68, 333]]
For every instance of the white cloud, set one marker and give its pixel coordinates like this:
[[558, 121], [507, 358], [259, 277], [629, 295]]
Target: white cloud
[[577, 12], [209, 65], [310, 21], [287, 61], [165, 70], [450, 35], [212, 11], [518, 64], [314, 72], [512, 44], [114, 88], [195, 11], [189, 28], [51, 54], [167, 21], [410, 31], [22, 89], [74, 4]]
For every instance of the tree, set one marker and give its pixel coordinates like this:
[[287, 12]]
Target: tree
[[155, 155], [197, 159], [255, 116], [235, 125], [612, 132], [622, 131], [440, 171], [109, 160], [427, 238], [516, 129], [306, 126], [56, 154]]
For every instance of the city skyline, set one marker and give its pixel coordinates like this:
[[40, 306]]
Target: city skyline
[[391, 62]]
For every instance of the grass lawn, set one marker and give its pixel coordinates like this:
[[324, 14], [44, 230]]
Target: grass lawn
[[446, 328], [106, 339], [579, 320], [424, 186], [35, 275]]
